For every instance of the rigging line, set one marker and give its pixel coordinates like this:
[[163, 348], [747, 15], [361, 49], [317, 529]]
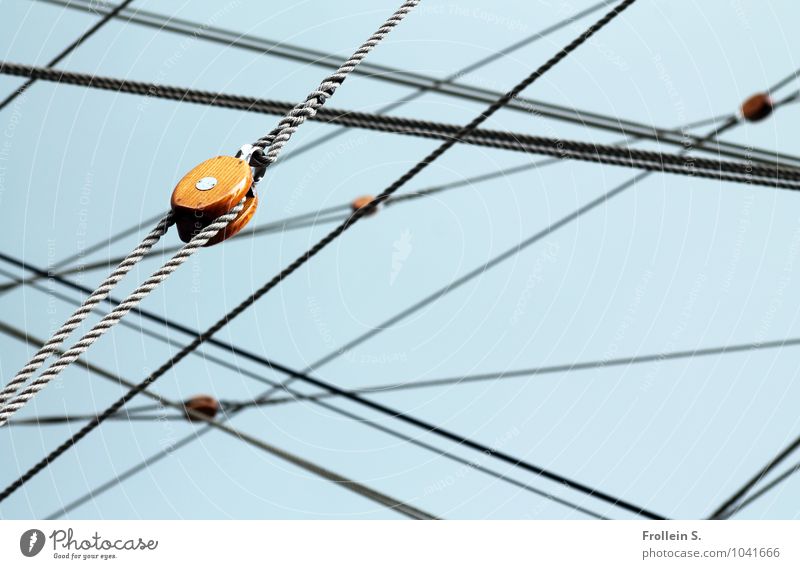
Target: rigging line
[[419, 92], [97, 296], [274, 144], [411, 79], [458, 74], [488, 265], [755, 480], [236, 408], [777, 175], [424, 192], [69, 49], [265, 229], [160, 337], [543, 370], [91, 249], [110, 319], [338, 479], [777, 481], [565, 149], [783, 82], [44, 420], [16, 333], [247, 355]]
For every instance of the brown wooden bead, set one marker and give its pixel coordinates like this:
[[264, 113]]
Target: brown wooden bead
[[757, 107], [203, 404], [363, 202], [209, 190]]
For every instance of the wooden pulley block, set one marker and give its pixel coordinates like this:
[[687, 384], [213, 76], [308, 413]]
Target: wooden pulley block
[[363, 202], [203, 404], [757, 107], [209, 190]]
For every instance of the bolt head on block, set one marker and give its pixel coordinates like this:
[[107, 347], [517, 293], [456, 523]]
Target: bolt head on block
[[196, 202]]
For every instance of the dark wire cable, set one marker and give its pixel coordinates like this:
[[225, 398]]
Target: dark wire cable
[[198, 30], [356, 487], [758, 494], [69, 49], [259, 359], [755, 480], [266, 229], [234, 409], [745, 171], [396, 104], [91, 249], [458, 74], [318, 247]]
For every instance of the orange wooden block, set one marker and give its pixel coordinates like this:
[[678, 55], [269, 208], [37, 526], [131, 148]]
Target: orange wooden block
[[363, 202], [209, 190], [757, 107], [202, 404]]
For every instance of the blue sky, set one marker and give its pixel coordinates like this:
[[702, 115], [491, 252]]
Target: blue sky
[[672, 264]]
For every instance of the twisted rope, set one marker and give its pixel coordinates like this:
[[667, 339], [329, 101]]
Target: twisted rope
[[749, 169], [274, 142], [51, 346], [277, 279], [113, 317]]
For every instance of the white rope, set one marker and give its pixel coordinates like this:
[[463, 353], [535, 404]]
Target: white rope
[[102, 291], [110, 319], [280, 135], [273, 143]]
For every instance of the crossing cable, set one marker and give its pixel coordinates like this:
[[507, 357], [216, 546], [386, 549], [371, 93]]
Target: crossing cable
[[470, 68], [237, 351], [69, 49], [730, 503], [185, 441], [265, 229], [771, 485], [142, 330], [544, 370], [110, 319], [259, 159], [20, 335], [776, 174], [197, 30], [293, 374], [91, 249], [356, 487], [308, 220], [98, 295], [273, 143], [458, 74]]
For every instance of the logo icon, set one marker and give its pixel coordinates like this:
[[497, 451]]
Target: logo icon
[[31, 542]]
